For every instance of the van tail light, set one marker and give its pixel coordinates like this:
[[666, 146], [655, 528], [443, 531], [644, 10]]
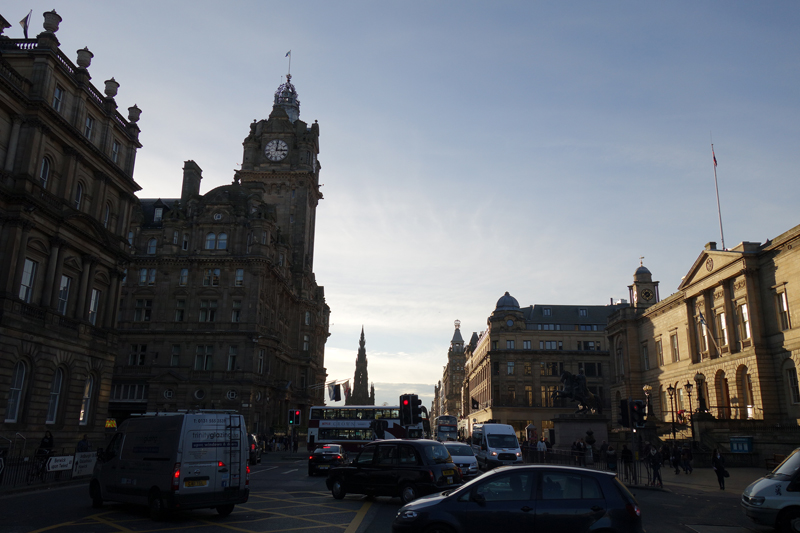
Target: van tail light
[[433, 478], [252, 447], [247, 477], [633, 510], [176, 477], [220, 464]]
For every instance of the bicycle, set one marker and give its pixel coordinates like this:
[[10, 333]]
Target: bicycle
[[39, 467]]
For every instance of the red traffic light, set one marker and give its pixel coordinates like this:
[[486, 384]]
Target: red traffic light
[[405, 402], [297, 413]]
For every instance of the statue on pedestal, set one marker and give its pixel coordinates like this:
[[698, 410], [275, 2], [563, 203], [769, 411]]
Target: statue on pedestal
[[575, 389]]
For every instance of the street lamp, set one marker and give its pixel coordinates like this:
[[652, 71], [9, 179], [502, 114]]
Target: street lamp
[[671, 391], [647, 390], [700, 379], [688, 386]]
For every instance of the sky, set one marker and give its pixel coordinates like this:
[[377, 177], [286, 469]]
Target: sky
[[472, 148]]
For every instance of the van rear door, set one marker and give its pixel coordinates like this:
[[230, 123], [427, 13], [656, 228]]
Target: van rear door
[[203, 464]]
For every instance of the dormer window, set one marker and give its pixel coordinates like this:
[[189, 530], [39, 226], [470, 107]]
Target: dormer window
[[583, 312], [158, 214], [546, 311]]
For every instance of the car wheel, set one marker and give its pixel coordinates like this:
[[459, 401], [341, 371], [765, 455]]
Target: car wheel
[[337, 489], [408, 493], [94, 492], [157, 507], [225, 510], [439, 528], [790, 521]]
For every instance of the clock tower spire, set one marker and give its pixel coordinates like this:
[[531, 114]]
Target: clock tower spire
[[644, 291]]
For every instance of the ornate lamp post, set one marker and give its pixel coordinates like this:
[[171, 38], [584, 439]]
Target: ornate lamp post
[[688, 386], [671, 391], [647, 390]]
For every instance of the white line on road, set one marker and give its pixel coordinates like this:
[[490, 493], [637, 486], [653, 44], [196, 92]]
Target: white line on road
[[290, 471], [263, 470]]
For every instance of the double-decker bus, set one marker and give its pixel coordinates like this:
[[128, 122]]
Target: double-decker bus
[[445, 428], [352, 426]]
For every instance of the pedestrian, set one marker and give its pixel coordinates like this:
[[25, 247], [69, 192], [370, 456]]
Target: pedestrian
[[603, 450], [84, 445], [626, 456], [665, 455], [574, 450], [676, 458], [541, 448], [294, 446], [611, 457], [686, 460], [718, 463], [655, 464], [46, 444], [581, 453]]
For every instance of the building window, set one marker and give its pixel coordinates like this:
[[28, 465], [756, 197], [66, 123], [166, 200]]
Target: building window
[[137, 355], [744, 320], [151, 276], [94, 304], [783, 311], [526, 345], [546, 396], [645, 357], [107, 216], [203, 357], [232, 352], [180, 310], [263, 237], [794, 391], [44, 172], [236, 313], [211, 277], [175, 356], [142, 276], [184, 278], [141, 312], [308, 318], [130, 238], [494, 345], [551, 345], [512, 393], [115, 151], [87, 131], [722, 328], [175, 237], [28, 277], [583, 312], [15, 392], [185, 245], [260, 364], [280, 259], [151, 246], [659, 353], [63, 294], [79, 199], [673, 345], [496, 368], [58, 98], [55, 395], [211, 241], [551, 369], [305, 343], [208, 310], [546, 311], [86, 403], [238, 280], [222, 241], [509, 345], [527, 369], [158, 214], [591, 370], [510, 368]]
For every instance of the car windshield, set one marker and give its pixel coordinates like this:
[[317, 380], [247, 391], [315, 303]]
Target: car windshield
[[502, 441], [437, 453], [790, 465], [459, 450]]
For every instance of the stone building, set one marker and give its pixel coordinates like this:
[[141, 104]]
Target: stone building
[[66, 196], [220, 307], [515, 365], [453, 375], [728, 332], [361, 394]]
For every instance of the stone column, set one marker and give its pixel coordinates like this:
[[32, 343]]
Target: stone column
[[11, 154], [52, 264], [88, 261], [111, 305]]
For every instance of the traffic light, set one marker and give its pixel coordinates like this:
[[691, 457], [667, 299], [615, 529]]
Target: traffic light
[[405, 410], [294, 417], [623, 414], [638, 413], [416, 412]]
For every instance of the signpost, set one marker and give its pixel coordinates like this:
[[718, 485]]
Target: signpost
[[62, 462], [84, 463]]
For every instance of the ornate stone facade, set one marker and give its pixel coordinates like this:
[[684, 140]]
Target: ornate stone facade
[[66, 196], [361, 395]]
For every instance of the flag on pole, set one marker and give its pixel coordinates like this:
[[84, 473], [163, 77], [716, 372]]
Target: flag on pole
[[714, 157], [331, 391], [26, 23], [337, 394], [346, 387], [288, 54]]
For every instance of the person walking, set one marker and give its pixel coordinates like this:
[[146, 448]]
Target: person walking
[[611, 457], [626, 456], [655, 464], [84, 445], [581, 453], [675, 456], [718, 464], [686, 460], [541, 449]]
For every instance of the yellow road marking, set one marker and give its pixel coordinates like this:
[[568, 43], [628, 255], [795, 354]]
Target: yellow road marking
[[353, 527], [99, 518], [53, 527]]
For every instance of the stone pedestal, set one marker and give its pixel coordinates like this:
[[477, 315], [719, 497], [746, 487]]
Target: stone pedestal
[[569, 428]]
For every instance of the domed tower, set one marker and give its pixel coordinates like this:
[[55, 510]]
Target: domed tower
[[507, 313], [644, 291]]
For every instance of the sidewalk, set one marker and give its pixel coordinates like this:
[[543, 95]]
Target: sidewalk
[[705, 479]]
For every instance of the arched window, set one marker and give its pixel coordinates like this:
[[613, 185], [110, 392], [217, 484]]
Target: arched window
[[86, 404], [55, 394], [44, 173], [151, 246], [78, 195], [15, 393], [222, 241], [107, 216], [211, 241]]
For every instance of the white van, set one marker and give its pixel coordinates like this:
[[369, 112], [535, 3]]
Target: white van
[[191, 460], [774, 500], [495, 445]]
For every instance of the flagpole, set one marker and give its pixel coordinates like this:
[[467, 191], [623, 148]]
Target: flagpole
[[716, 187]]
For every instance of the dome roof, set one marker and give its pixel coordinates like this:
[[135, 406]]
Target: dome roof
[[233, 194], [507, 303], [286, 97], [642, 274]]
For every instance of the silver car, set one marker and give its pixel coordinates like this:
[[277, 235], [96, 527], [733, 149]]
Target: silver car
[[464, 458]]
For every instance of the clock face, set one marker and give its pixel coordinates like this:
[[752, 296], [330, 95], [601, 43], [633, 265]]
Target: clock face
[[646, 294], [276, 150], [509, 323]]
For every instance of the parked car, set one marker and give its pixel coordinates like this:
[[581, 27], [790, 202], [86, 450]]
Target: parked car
[[255, 449], [774, 500], [539, 498], [325, 457], [398, 467], [464, 458]]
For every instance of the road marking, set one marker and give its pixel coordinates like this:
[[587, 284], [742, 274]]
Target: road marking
[[353, 527], [289, 471], [719, 529], [264, 470], [53, 527]]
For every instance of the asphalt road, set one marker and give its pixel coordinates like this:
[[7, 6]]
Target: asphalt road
[[284, 498]]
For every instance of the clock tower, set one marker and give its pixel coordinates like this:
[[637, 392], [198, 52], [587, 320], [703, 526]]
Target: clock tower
[[644, 291], [280, 164]]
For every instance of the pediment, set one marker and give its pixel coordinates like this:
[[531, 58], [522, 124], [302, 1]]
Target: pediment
[[88, 227], [707, 267], [170, 376]]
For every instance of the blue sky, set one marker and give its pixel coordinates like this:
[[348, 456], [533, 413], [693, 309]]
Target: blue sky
[[473, 148]]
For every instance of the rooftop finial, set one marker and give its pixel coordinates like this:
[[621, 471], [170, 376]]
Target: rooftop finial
[[289, 72], [641, 260]]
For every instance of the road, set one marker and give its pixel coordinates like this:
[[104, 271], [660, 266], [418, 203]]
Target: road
[[283, 498]]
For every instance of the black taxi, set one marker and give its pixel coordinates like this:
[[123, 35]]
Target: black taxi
[[404, 468]]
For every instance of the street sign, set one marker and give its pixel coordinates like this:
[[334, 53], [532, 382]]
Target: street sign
[[84, 463], [63, 462]]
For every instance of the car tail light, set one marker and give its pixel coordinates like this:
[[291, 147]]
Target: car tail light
[[220, 464], [310, 457], [433, 478], [247, 477], [633, 510], [252, 447], [176, 477], [339, 457]]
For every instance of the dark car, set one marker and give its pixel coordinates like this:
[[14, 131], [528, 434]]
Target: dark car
[[539, 498], [326, 457], [255, 449], [404, 468]]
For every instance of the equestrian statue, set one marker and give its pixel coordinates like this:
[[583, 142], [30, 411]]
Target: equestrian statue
[[575, 389]]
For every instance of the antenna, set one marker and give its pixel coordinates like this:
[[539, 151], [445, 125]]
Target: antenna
[[289, 55]]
